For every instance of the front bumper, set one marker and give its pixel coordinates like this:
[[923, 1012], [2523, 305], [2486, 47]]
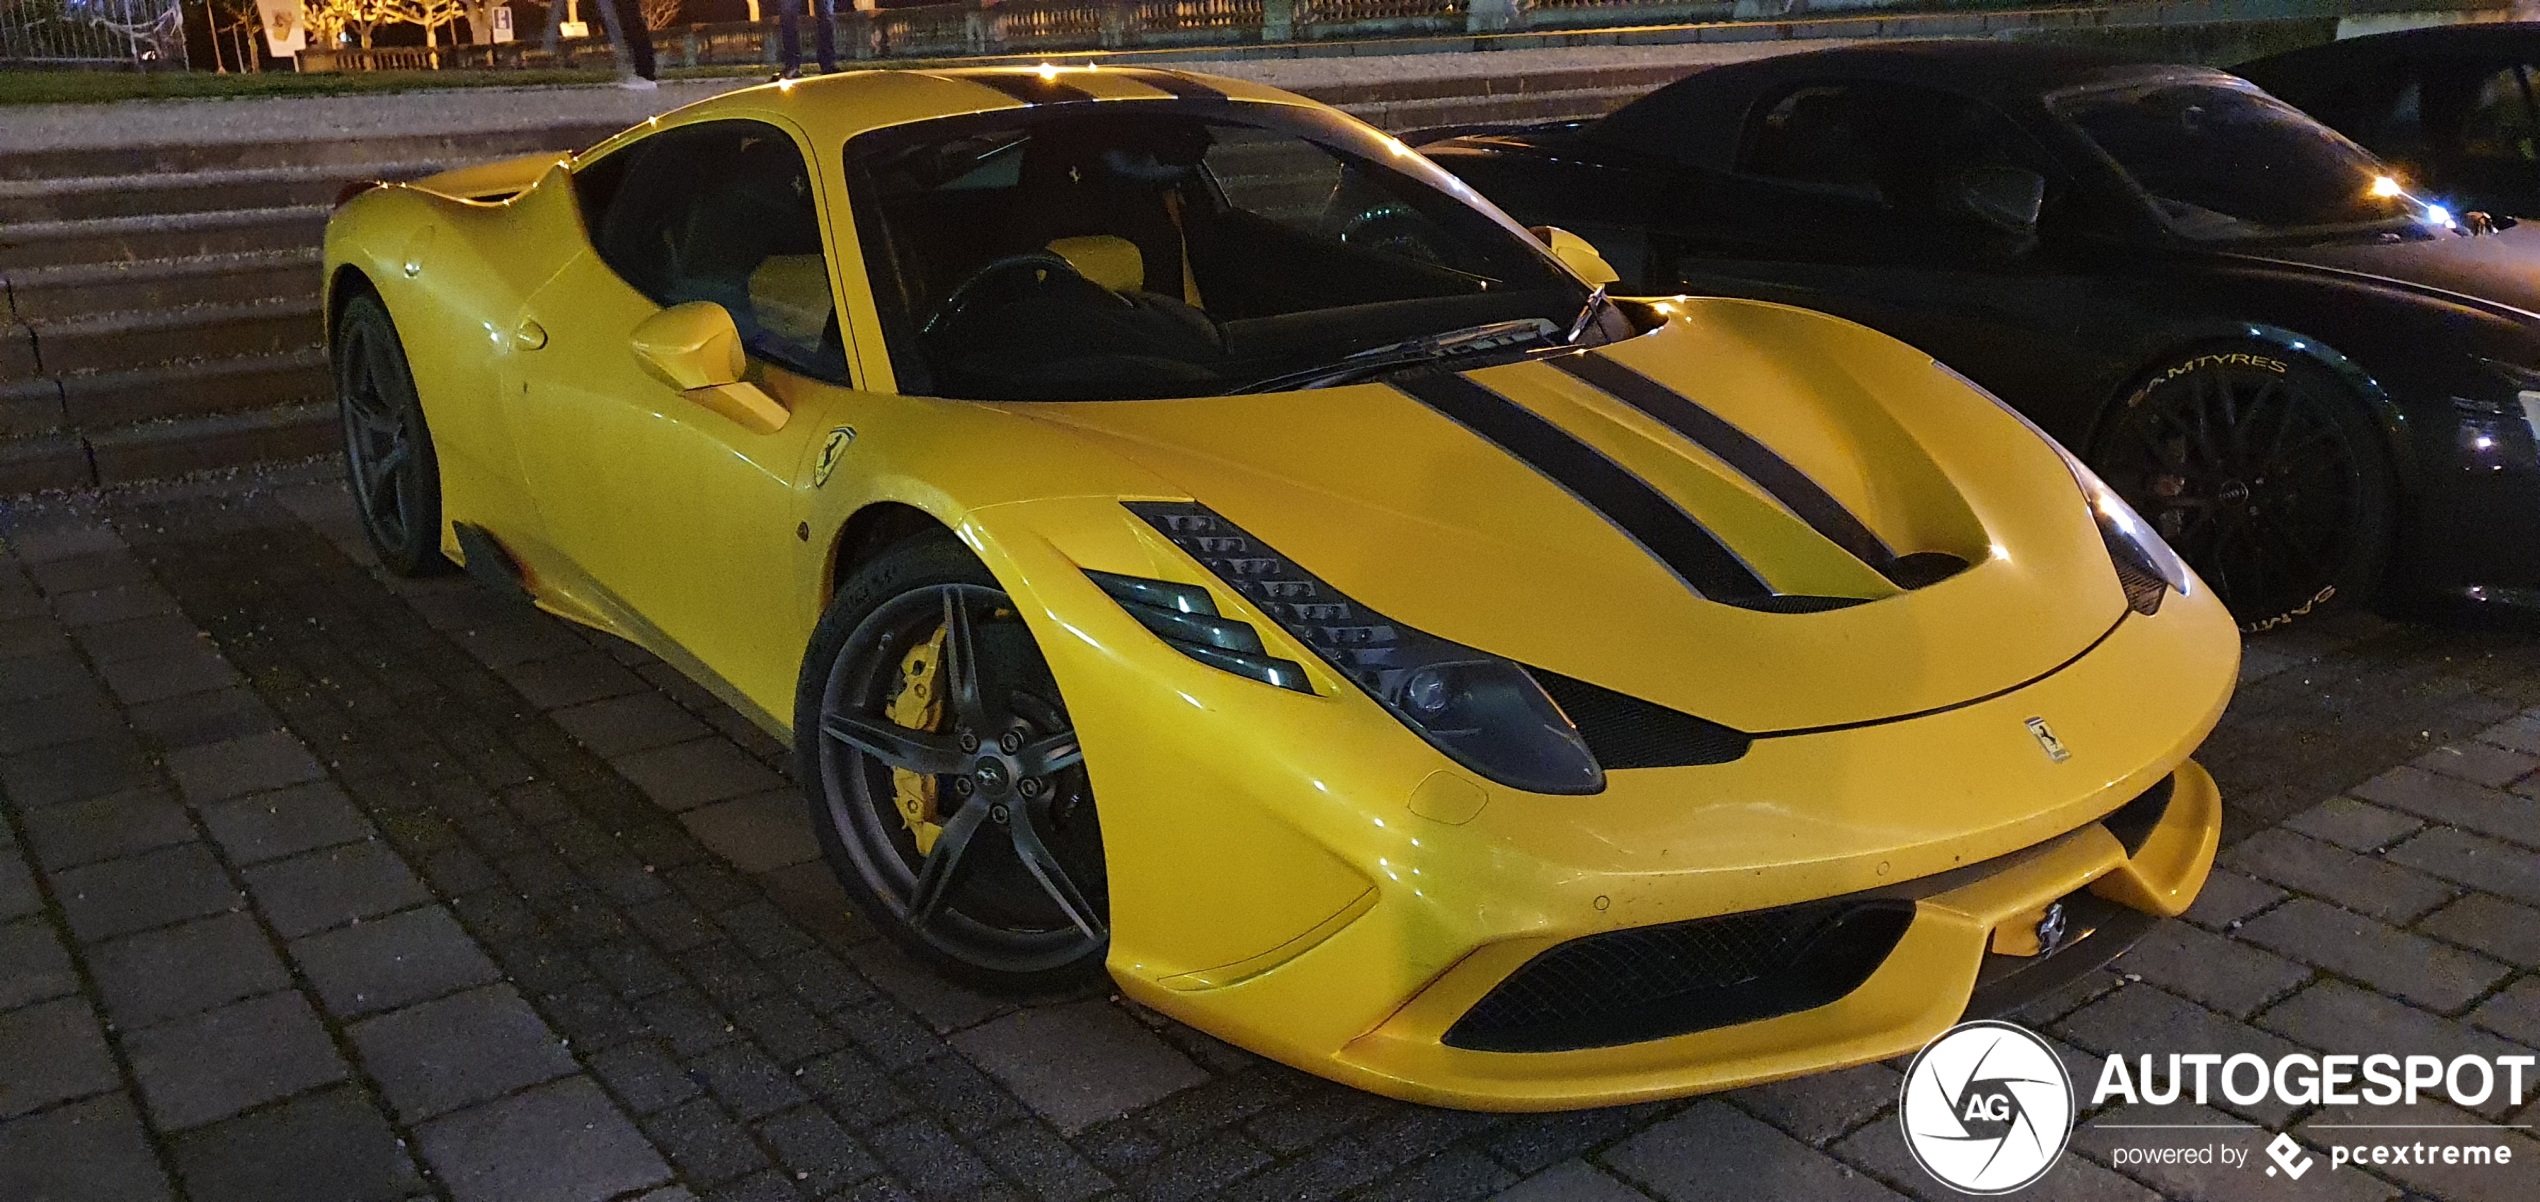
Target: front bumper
[[1920, 989]]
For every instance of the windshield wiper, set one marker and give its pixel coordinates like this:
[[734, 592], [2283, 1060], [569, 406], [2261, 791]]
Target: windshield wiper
[[1587, 316], [1491, 336]]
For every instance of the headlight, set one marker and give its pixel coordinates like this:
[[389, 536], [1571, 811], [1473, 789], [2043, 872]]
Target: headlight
[[2146, 566], [2145, 563], [1485, 712]]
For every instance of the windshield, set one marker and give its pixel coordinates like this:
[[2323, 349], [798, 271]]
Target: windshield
[[1085, 253], [2221, 162]]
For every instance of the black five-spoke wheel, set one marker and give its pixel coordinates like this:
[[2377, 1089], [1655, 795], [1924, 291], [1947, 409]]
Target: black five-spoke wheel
[[945, 776], [2263, 473], [387, 449]]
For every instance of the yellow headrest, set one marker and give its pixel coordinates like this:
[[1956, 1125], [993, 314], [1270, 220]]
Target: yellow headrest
[[1111, 262]]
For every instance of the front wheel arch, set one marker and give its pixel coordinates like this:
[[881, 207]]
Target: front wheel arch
[[2366, 388], [871, 532], [2344, 396]]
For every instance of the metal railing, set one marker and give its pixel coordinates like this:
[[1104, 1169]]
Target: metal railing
[[964, 28], [137, 33]]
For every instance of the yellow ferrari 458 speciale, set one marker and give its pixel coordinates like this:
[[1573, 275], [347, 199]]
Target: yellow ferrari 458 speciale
[[1187, 536]]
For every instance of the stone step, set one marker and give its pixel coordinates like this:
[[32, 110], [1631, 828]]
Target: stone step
[[1633, 80], [137, 338], [95, 401], [1400, 116], [53, 243], [42, 294], [81, 197], [164, 449], [176, 158]]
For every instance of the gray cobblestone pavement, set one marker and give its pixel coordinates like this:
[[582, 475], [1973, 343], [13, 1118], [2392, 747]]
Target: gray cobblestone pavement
[[318, 884]]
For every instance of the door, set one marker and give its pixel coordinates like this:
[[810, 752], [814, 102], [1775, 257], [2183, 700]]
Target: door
[[680, 521]]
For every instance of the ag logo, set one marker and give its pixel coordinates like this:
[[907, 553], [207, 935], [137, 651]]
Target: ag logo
[[831, 452], [1987, 1108]]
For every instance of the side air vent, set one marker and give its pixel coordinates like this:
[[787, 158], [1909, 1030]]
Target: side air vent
[[1645, 983], [1623, 731], [1186, 618]]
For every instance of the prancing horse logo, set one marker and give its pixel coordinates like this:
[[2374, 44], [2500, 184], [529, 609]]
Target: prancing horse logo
[[830, 452], [2046, 739]]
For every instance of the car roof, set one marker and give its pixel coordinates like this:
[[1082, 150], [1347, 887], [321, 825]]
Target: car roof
[[830, 109], [1710, 106]]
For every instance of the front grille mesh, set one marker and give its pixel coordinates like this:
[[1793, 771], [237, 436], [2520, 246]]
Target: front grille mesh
[[1646, 983]]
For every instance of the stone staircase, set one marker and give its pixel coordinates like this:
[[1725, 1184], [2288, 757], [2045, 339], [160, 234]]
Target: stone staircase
[[161, 301], [161, 312]]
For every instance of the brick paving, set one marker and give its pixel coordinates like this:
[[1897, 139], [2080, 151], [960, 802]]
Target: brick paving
[[319, 884]]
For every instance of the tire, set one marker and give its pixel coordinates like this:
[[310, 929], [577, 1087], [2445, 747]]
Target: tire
[[960, 821], [2265, 472], [388, 456]]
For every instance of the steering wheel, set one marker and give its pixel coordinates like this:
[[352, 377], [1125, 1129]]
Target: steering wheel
[[1043, 268], [1394, 228]]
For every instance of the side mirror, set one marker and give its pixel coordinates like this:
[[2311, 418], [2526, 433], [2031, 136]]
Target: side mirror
[[1577, 254], [2007, 199], [695, 348]]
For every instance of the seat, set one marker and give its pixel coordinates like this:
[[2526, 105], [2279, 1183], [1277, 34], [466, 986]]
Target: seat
[[1073, 186]]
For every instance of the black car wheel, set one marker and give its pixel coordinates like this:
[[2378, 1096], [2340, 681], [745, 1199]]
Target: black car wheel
[[388, 457], [2264, 472], [944, 777]]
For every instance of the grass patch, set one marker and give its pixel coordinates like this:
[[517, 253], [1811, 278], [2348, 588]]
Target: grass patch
[[90, 87]]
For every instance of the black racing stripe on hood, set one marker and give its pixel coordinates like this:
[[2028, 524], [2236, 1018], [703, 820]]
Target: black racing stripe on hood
[[1742, 451], [1030, 88], [1641, 512]]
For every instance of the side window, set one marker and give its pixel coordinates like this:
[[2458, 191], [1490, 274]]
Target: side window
[[1308, 191], [2498, 124], [1815, 136], [1859, 160], [722, 211]]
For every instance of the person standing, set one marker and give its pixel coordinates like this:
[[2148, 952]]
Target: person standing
[[789, 37], [634, 39]]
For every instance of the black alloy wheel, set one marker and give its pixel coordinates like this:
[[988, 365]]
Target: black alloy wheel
[[2265, 473], [388, 454], [945, 779]]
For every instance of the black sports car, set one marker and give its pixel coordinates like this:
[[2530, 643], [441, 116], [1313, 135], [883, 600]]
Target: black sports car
[[2451, 107], [2308, 377]]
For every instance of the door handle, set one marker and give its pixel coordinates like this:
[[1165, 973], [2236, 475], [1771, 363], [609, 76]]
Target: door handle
[[528, 335]]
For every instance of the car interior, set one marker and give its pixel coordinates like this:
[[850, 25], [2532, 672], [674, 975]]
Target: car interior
[[1168, 254]]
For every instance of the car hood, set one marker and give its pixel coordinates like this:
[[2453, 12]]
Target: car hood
[[2492, 271], [1431, 524]]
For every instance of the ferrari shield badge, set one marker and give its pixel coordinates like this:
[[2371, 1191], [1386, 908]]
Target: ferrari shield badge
[[831, 452], [2047, 741]]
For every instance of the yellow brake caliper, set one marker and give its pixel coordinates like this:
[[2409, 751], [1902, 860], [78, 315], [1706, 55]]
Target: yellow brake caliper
[[916, 707]]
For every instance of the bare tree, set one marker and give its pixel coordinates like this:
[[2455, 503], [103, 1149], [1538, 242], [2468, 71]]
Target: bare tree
[[661, 14], [329, 20], [433, 15]]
